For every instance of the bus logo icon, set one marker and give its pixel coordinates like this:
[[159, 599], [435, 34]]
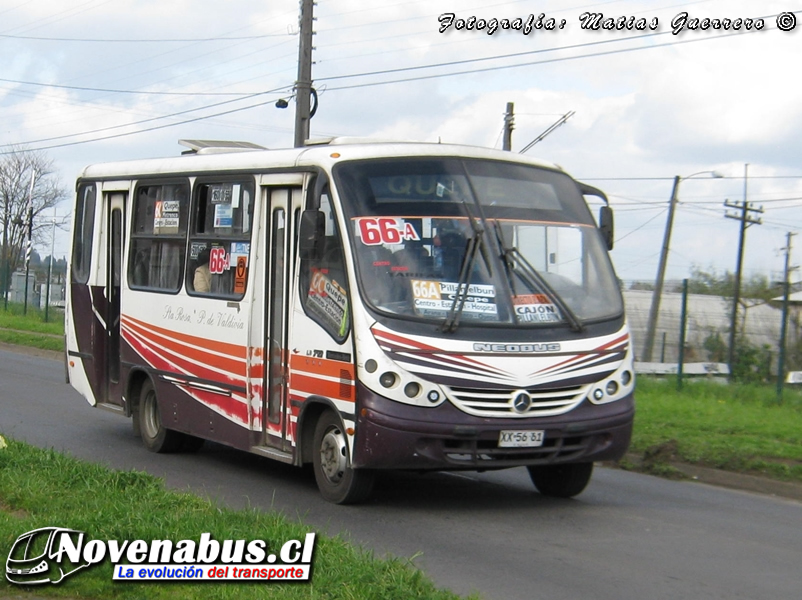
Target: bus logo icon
[[35, 557], [522, 402]]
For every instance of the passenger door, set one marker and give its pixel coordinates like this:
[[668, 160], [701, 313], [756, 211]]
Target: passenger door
[[277, 242], [115, 228]]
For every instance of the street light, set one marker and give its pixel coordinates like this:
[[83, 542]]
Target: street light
[[651, 328]]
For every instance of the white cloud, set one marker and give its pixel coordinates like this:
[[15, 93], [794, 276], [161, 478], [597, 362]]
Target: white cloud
[[654, 112]]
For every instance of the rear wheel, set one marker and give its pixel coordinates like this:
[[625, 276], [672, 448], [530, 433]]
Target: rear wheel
[[155, 436], [337, 481], [561, 481]]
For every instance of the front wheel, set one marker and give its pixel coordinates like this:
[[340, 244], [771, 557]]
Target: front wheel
[[337, 481], [155, 436], [561, 481]]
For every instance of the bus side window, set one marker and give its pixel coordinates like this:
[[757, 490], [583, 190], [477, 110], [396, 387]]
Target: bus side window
[[324, 283], [159, 236], [82, 242], [219, 250]]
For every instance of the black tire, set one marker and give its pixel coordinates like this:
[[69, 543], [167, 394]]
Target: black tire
[[155, 436], [336, 480], [561, 481]]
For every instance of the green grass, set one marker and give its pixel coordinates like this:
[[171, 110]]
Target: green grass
[[40, 488], [734, 427], [31, 329], [34, 320]]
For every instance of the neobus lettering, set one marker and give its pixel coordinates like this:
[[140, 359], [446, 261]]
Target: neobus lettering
[[516, 347]]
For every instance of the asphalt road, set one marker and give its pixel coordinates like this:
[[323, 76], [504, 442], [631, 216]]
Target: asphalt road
[[628, 536]]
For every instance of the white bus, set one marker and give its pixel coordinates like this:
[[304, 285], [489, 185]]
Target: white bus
[[359, 306]]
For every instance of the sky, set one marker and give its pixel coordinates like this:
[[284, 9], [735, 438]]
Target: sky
[[97, 80]]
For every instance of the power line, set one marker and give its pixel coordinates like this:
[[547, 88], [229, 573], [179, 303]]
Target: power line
[[574, 46], [552, 60], [486, 58], [148, 41], [112, 91], [176, 114], [119, 135], [527, 64]]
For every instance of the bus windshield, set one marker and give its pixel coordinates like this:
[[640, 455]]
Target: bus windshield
[[475, 241]]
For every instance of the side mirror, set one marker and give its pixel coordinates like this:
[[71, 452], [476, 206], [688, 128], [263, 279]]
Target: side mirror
[[606, 225], [311, 232], [605, 212]]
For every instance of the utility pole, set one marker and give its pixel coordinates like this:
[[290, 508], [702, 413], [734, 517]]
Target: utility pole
[[746, 220], [303, 85], [29, 247], [654, 311], [50, 266], [784, 322], [6, 223], [509, 125]]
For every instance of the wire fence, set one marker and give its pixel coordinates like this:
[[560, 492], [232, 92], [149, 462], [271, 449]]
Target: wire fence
[[708, 329]]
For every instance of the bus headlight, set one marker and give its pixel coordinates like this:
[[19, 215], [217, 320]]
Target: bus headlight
[[388, 379], [412, 389]]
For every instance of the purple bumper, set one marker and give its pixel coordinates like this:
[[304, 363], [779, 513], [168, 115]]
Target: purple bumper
[[391, 435]]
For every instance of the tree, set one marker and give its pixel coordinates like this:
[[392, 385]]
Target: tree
[[16, 169], [756, 287]]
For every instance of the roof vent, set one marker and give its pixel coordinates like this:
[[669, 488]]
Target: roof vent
[[217, 146]]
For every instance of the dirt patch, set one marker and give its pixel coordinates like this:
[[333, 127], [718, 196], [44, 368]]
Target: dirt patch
[[17, 514], [663, 460]]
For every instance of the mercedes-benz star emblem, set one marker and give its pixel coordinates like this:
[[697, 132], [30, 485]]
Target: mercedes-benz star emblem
[[522, 402]]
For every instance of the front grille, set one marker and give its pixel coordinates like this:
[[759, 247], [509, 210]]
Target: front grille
[[502, 402]]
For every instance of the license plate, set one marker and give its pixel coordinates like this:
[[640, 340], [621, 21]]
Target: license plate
[[520, 439]]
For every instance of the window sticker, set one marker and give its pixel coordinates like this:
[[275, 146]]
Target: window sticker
[[435, 298], [385, 230], [240, 274], [223, 216], [239, 250], [218, 260], [166, 217], [328, 300], [222, 194], [195, 249], [536, 308]]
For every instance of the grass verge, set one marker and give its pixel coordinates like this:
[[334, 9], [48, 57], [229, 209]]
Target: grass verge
[[33, 321], [31, 329], [41, 488], [741, 428]]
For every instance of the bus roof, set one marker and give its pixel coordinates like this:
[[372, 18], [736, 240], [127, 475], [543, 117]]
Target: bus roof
[[218, 156]]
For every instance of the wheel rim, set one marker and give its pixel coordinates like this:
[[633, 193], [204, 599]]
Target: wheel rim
[[151, 423], [333, 461]]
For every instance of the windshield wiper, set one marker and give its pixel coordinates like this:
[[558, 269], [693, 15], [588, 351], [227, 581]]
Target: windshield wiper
[[516, 263], [474, 245]]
